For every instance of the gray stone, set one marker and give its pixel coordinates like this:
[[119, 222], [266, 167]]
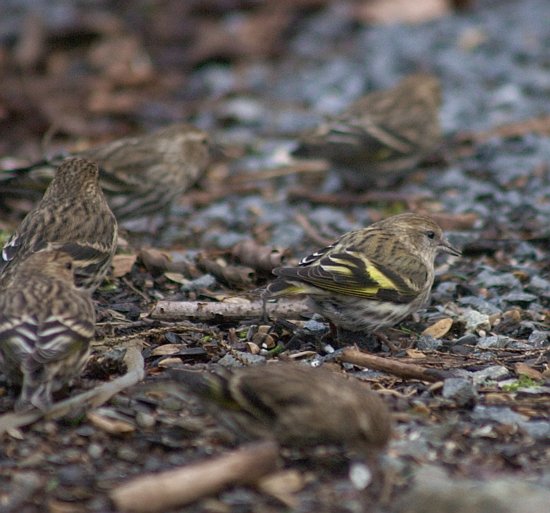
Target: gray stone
[[466, 340], [145, 420], [479, 304], [490, 373], [519, 298], [206, 281], [490, 279], [494, 342], [315, 326], [539, 338], [428, 343], [538, 429], [502, 415], [460, 390], [434, 491], [475, 320], [540, 285]]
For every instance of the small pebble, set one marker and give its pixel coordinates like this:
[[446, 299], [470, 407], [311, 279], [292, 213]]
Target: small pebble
[[460, 390]]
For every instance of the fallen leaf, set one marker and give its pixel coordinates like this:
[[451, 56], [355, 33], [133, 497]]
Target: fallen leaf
[[122, 264], [253, 348], [526, 370], [283, 485], [166, 349], [439, 329], [168, 362], [176, 278]]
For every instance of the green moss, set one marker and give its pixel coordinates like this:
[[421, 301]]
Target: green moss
[[522, 382]]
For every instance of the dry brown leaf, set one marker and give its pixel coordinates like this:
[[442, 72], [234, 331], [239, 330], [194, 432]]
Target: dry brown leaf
[[122, 264], [176, 277], [283, 485], [112, 426], [253, 348], [169, 362], [166, 349], [439, 329], [526, 370]]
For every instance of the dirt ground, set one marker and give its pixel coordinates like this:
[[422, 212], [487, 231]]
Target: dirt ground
[[473, 436]]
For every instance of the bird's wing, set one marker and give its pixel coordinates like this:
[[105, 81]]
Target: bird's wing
[[351, 273]]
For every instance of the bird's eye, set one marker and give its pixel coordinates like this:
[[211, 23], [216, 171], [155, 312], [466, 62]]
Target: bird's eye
[[430, 234], [69, 266]]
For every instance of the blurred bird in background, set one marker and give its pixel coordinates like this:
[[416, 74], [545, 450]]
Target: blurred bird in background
[[140, 176], [381, 136]]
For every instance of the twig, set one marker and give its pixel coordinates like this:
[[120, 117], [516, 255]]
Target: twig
[[178, 487], [392, 366], [226, 311], [88, 400]]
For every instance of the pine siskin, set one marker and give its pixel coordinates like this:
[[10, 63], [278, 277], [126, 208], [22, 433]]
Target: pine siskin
[[295, 404], [139, 175], [370, 278], [74, 217], [46, 324], [382, 135]]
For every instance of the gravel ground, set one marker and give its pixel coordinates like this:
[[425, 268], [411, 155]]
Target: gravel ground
[[487, 427]]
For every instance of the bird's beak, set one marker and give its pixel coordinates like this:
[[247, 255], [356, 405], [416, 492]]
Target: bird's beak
[[446, 247]]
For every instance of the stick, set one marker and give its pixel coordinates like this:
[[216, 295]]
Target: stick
[[89, 399], [391, 366], [161, 492], [225, 311]]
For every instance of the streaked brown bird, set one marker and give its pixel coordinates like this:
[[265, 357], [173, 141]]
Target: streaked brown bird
[[297, 405], [72, 216], [140, 176], [369, 278], [46, 325], [381, 136]]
